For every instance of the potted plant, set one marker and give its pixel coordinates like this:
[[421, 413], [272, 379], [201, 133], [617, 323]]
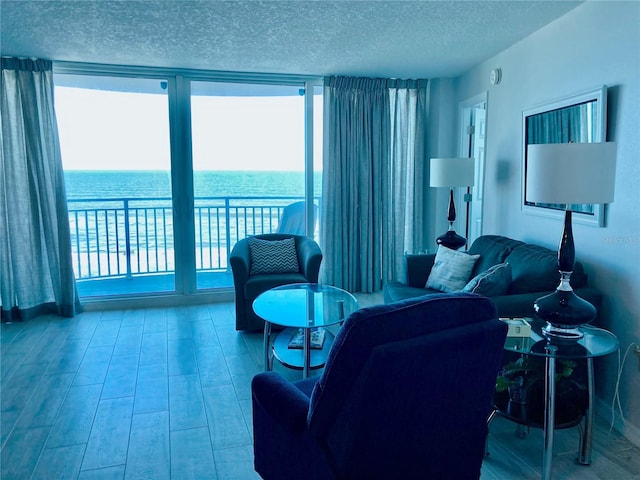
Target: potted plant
[[519, 376]]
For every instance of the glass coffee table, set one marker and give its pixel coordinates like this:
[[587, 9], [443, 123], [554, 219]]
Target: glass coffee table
[[307, 307]]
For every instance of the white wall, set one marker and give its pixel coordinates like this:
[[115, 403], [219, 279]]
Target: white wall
[[597, 43]]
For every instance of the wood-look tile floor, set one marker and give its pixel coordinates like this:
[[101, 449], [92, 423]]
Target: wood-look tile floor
[[163, 393]]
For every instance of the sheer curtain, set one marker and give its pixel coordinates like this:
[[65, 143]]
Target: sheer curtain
[[373, 179], [36, 272]]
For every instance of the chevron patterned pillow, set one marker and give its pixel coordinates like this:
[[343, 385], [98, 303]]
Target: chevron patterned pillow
[[273, 256]]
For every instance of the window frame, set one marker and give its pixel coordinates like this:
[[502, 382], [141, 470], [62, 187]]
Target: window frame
[[179, 93]]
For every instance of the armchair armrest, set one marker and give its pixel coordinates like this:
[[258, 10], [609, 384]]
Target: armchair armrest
[[284, 402], [310, 257], [417, 269], [240, 258], [240, 261]]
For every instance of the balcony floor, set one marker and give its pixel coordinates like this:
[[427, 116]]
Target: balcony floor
[[152, 283]]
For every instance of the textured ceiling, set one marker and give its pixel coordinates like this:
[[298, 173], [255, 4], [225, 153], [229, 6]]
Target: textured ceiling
[[408, 39]]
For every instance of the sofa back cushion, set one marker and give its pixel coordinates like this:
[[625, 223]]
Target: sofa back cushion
[[493, 249], [535, 269], [578, 277]]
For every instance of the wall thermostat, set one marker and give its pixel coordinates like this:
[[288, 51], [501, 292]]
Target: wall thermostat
[[495, 76]]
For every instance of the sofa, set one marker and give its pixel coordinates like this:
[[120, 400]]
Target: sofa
[[534, 273]]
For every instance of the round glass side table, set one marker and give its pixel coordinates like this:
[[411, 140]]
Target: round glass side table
[[596, 342], [306, 306]]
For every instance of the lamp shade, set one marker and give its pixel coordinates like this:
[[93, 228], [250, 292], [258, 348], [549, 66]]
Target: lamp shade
[[451, 172], [570, 173]]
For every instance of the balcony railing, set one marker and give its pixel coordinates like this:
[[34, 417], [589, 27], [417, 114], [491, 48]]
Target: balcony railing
[[135, 236]]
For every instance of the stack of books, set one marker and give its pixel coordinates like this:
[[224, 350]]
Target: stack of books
[[518, 327], [317, 338]]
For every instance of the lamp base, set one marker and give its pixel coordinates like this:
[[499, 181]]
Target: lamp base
[[559, 333], [564, 311], [451, 240]]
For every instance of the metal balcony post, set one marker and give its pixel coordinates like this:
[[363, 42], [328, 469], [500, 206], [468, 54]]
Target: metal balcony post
[[227, 229], [126, 236]]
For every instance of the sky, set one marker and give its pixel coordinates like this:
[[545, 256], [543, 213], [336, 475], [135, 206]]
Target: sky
[[102, 130]]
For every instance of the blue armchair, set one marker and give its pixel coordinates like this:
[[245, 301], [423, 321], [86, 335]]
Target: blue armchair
[[405, 393], [248, 286]]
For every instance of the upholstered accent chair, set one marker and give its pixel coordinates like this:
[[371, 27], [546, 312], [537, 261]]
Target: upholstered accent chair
[[248, 285], [405, 393]]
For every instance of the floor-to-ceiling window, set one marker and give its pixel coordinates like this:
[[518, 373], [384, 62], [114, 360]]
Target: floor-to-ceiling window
[[164, 174], [248, 165], [114, 138]]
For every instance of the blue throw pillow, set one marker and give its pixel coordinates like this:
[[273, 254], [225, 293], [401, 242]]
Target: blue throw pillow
[[491, 283], [273, 256], [451, 270]]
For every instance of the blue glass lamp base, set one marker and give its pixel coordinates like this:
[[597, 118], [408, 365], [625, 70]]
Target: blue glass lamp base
[[557, 333], [451, 240], [565, 313]]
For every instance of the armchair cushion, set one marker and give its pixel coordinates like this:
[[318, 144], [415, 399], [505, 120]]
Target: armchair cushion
[[273, 256], [256, 284], [451, 270]]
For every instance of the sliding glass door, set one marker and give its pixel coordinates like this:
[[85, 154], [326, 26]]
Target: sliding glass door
[[164, 174], [114, 138], [248, 168]]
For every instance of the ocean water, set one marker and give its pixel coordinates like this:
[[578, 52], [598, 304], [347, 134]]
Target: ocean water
[[136, 184]]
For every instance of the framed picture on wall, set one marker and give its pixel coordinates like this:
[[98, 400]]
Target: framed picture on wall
[[580, 118]]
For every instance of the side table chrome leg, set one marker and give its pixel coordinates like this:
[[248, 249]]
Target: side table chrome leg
[[306, 352], [492, 415], [586, 438], [549, 412], [267, 347]]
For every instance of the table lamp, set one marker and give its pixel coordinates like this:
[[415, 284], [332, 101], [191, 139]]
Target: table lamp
[[568, 173], [451, 172]]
